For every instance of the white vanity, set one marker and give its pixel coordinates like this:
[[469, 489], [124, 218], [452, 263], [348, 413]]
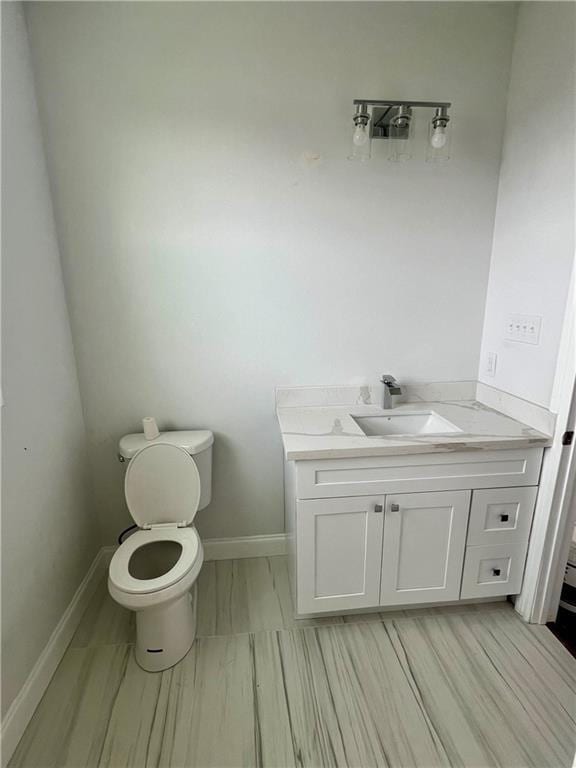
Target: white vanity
[[377, 518]]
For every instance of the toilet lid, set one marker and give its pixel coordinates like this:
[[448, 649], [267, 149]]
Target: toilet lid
[[162, 486]]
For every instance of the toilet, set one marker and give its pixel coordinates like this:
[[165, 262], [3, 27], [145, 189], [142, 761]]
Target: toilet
[[154, 570]]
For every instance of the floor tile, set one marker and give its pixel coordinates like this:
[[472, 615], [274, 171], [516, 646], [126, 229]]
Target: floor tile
[[545, 697], [135, 727], [101, 709], [380, 719], [70, 724], [472, 696], [211, 718], [248, 595], [474, 687]]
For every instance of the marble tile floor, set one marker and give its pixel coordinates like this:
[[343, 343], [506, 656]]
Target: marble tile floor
[[461, 686]]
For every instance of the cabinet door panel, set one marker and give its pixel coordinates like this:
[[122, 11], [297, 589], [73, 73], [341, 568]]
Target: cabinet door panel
[[339, 549], [423, 550]]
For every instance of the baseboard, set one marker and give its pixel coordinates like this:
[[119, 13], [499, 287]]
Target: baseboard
[[107, 553], [22, 708], [231, 549], [244, 546]]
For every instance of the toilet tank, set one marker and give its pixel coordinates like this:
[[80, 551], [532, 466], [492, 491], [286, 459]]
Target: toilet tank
[[197, 442]]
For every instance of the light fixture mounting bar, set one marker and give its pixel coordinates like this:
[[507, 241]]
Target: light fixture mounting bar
[[402, 103]]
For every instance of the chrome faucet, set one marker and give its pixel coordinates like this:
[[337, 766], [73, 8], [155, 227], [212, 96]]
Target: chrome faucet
[[391, 387]]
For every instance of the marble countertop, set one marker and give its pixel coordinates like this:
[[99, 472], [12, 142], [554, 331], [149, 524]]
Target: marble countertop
[[330, 432]]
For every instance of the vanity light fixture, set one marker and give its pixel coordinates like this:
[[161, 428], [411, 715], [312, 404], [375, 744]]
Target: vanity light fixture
[[393, 120]]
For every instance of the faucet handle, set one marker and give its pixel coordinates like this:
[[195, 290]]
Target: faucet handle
[[390, 382]]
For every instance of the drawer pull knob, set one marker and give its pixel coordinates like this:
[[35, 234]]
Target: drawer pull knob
[[504, 518], [378, 508], [395, 507], [496, 571]]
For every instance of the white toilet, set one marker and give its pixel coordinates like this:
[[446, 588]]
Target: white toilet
[[154, 571]]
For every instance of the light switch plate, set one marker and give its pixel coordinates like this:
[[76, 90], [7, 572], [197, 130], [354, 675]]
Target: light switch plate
[[491, 360], [523, 328]]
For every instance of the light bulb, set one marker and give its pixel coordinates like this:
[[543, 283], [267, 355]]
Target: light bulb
[[438, 138], [360, 136]]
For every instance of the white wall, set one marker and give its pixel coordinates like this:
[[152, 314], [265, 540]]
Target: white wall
[[216, 242], [533, 249], [48, 533]]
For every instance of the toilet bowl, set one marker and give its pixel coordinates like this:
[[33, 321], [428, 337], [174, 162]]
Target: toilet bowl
[[154, 571]]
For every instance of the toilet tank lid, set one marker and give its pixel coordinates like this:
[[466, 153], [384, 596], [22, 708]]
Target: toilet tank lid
[[193, 441]]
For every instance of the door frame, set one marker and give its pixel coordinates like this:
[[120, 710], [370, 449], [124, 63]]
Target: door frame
[[538, 601]]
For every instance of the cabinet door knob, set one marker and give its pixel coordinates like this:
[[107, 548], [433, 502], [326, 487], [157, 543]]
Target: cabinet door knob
[[496, 571], [378, 508], [395, 507], [504, 518]]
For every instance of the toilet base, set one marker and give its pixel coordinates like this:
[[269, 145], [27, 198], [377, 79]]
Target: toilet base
[[165, 634]]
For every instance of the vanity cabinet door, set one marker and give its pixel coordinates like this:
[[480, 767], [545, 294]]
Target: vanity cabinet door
[[339, 550], [424, 544]]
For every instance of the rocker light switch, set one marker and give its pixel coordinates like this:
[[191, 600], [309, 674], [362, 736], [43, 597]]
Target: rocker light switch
[[491, 361]]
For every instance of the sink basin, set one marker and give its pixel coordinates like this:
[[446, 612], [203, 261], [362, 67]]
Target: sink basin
[[415, 423]]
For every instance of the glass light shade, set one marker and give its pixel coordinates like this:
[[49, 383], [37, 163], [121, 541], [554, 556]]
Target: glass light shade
[[438, 146], [361, 141], [400, 138]]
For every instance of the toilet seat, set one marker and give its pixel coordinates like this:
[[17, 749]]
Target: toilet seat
[[190, 560]]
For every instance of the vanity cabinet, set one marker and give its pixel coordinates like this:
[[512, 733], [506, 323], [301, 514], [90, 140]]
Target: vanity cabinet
[[418, 529]]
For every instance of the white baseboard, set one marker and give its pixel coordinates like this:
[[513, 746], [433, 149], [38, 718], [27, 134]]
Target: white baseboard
[[231, 549], [22, 708], [107, 553], [245, 546]]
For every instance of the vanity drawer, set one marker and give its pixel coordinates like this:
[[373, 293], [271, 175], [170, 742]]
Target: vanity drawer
[[493, 570], [446, 471], [501, 515]]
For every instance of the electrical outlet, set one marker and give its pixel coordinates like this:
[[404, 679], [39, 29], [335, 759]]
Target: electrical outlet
[[523, 328], [491, 359]]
